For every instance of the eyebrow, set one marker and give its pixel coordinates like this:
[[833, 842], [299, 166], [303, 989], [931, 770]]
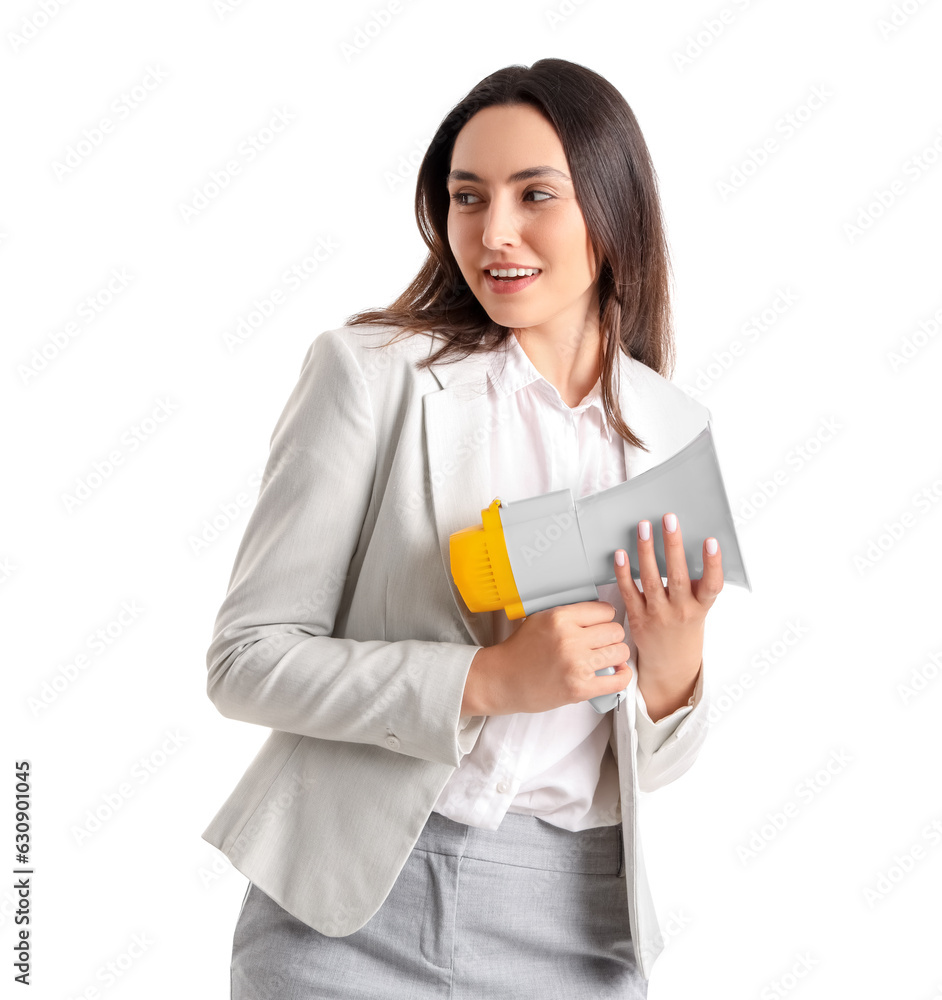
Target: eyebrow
[[520, 175]]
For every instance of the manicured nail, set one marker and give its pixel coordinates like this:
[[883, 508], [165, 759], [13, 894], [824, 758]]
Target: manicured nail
[[711, 546], [670, 522], [644, 530], [620, 557]]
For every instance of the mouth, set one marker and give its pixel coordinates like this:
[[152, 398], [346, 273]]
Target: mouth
[[510, 282]]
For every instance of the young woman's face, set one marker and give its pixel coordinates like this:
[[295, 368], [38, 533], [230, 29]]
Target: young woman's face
[[497, 220]]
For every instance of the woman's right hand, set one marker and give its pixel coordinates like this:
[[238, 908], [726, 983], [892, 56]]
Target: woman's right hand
[[549, 661]]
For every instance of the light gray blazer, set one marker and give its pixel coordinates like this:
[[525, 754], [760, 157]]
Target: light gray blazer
[[343, 632]]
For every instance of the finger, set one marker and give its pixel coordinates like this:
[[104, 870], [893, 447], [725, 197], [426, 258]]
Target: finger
[[648, 568], [609, 656], [633, 598], [678, 576], [706, 589], [589, 613]]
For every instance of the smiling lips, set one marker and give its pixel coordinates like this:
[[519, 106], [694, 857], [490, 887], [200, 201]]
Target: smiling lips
[[510, 279]]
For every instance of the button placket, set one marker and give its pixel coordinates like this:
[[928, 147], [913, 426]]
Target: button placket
[[566, 448]]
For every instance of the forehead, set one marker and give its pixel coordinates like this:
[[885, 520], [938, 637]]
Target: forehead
[[503, 138]]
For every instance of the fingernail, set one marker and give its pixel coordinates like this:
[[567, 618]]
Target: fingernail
[[670, 522], [711, 546], [644, 530], [620, 557]]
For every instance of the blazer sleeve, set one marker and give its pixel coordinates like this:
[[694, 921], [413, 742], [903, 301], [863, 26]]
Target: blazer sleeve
[[273, 660]]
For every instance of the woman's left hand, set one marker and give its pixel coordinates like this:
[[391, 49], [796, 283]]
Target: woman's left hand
[[667, 622]]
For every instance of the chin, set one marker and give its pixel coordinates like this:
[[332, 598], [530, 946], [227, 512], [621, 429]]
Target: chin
[[513, 322]]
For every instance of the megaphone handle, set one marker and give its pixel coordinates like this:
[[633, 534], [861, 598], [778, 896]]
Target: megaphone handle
[[603, 703]]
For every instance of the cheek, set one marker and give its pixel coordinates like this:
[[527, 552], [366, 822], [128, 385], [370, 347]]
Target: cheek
[[574, 235], [457, 231], [583, 257], [565, 236]]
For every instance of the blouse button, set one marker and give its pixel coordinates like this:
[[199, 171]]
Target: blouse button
[[392, 742], [503, 787]]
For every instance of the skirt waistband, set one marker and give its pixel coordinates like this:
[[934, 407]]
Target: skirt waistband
[[527, 842]]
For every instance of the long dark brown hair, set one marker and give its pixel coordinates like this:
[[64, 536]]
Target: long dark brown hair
[[616, 188]]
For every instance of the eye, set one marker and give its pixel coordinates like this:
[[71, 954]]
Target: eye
[[459, 196]]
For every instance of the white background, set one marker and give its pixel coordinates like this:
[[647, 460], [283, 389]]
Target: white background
[[826, 441]]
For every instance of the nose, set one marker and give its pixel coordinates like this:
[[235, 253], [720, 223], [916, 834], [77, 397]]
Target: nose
[[501, 226]]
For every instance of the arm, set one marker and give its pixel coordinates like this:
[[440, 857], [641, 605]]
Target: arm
[[272, 660], [667, 627]]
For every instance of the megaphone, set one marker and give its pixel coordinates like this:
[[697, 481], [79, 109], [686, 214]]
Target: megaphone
[[533, 554]]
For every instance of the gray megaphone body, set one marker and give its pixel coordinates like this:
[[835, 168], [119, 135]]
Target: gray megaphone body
[[552, 549]]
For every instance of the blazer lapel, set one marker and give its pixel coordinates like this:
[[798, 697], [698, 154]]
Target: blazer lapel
[[458, 465]]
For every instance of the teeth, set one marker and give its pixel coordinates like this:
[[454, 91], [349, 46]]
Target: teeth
[[513, 272]]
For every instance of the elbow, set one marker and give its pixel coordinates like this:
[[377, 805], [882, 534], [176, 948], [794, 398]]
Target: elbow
[[217, 689], [238, 673], [223, 667]]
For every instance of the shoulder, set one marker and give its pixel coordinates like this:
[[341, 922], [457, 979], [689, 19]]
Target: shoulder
[[374, 341], [655, 389], [375, 354], [658, 411], [371, 366]]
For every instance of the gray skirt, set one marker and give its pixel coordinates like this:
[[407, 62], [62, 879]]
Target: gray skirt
[[528, 910]]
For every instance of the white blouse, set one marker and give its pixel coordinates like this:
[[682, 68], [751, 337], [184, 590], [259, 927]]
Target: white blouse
[[556, 765]]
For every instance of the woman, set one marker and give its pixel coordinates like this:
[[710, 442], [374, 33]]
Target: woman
[[438, 811]]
